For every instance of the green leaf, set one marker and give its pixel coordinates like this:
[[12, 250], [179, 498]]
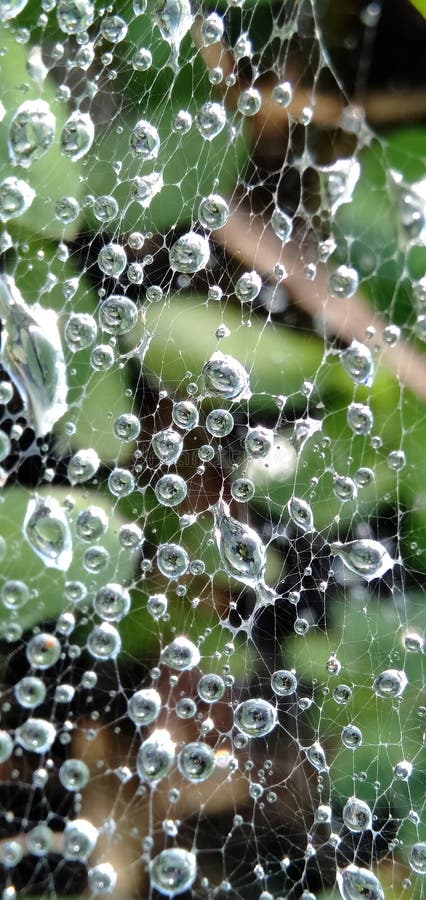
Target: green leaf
[[53, 175], [420, 6]]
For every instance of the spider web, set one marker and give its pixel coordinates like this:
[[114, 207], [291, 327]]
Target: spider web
[[212, 522]]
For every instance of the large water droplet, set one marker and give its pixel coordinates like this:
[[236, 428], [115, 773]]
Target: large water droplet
[[77, 135], [174, 19], [11, 8], [255, 718], [223, 376], [355, 883], [36, 735], [112, 602], [316, 756], [170, 490], [390, 683], [196, 761], [31, 353], [74, 774], [80, 839], [74, 16], [172, 560], [48, 532], [167, 445], [283, 682], [144, 141], [344, 281], [156, 756], [240, 547], [417, 858], [112, 260], [358, 363], [357, 815], [189, 253], [211, 120], [248, 287], [301, 513], [144, 706], [43, 650], [32, 131], [360, 418], [118, 315], [213, 211], [364, 557], [16, 196], [173, 871], [212, 29], [181, 654]]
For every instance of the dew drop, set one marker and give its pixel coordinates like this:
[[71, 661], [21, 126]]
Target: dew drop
[[156, 756], [354, 882], [48, 532], [364, 557], [173, 871], [196, 762], [189, 253], [77, 135]]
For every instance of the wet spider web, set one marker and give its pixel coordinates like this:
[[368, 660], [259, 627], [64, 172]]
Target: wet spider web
[[212, 525]]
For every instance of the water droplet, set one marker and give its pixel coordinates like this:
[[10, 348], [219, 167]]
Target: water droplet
[[173, 871], [258, 442], [396, 460], [174, 19], [80, 331], [36, 735], [301, 513], [104, 641], [167, 445], [403, 770], [283, 682], [170, 490], [77, 135], [357, 815], [417, 858], [281, 224], [145, 141], [83, 466], [74, 774], [344, 282], [249, 102], [360, 418], [74, 16], [211, 688], [43, 650], [342, 694], [354, 882], [211, 120], [219, 423], [223, 376], [255, 718], [32, 131], [156, 756], [316, 756], [241, 549], [189, 253], [112, 260], [242, 490], [31, 353], [16, 196], [142, 59], [181, 654], [102, 879], [212, 29], [80, 839], [6, 746], [30, 692], [213, 211], [121, 482], [144, 706], [118, 315], [172, 560], [157, 605], [344, 488], [113, 29], [196, 762], [112, 602], [282, 94], [127, 427], [390, 683], [48, 532], [358, 363], [248, 287], [323, 814], [14, 594], [364, 557], [9, 9], [40, 840]]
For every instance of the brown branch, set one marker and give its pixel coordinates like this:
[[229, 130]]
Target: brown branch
[[347, 318]]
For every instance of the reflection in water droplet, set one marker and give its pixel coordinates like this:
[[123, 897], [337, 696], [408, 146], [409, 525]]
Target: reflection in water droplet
[[354, 882], [173, 871], [47, 530], [31, 353], [241, 548], [156, 756], [364, 557]]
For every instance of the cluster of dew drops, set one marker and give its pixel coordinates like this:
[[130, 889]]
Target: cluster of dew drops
[[26, 327]]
